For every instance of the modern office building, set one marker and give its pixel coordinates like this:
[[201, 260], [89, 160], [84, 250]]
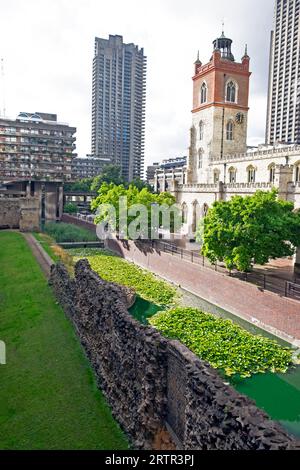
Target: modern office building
[[88, 167], [36, 153], [118, 108], [169, 170], [283, 115]]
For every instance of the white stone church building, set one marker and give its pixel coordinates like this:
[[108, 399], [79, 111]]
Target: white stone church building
[[220, 165]]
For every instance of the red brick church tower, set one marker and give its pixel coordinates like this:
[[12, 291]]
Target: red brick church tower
[[220, 109]]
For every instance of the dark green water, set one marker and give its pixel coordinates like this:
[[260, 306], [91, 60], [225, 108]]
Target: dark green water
[[142, 310], [277, 394]]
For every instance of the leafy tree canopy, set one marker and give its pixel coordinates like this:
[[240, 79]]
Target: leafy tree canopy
[[250, 229], [82, 186], [110, 174], [110, 194]]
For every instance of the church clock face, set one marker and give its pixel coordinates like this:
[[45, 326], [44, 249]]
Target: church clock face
[[239, 118]]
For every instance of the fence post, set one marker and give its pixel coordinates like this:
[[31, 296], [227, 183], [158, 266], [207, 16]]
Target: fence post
[[203, 260], [286, 288], [192, 256], [181, 253], [216, 266], [265, 281]]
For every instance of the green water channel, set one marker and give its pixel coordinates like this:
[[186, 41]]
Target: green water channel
[[277, 394]]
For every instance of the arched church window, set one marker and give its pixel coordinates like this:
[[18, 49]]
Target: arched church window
[[297, 172], [251, 174], [200, 159], [232, 175], [195, 216], [231, 92], [272, 172], [229, 130], [203, 93], [216, 176], [201, 130], [184, 209], [205, 209]]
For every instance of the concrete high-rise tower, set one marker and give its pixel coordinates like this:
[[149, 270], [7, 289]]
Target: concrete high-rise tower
[[119, 95], [283, 115]]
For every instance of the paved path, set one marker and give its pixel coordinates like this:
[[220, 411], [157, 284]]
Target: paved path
[[271, 312]]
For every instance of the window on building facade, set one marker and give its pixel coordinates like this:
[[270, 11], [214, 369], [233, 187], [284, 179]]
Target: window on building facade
[[184, 209], [205, 209], [200, 159], [232, 175], [229, 130], [195, 216], [216, 176], [203, 93], [201, 130], [251, 174], [231, 92], [297, 172], [272, 173]]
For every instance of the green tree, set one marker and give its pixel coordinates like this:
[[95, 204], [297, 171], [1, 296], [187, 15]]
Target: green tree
[[71, 208], [110, 174], [82, 186], [250, 229], [110, 194]]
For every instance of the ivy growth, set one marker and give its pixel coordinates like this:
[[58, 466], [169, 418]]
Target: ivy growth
[[226, 346], [115, 269]]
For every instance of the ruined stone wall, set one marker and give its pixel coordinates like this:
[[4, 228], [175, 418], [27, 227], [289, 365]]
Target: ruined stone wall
[[9, 213], [158, 388], [20, 213]]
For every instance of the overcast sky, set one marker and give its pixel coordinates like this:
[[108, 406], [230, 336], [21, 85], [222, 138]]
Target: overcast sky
[[48, 49]]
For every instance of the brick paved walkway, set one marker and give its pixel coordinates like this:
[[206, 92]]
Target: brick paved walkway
[[271, 312]]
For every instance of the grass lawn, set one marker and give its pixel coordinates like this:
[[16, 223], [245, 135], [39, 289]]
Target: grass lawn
[[48, 395]]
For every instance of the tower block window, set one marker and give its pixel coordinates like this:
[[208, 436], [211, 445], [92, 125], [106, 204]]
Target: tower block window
[[229, 130], [231, 92], [203, 93], [201, 130], [251, 174]]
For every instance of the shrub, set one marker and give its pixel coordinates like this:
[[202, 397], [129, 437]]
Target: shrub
[[223, 344], [62, 232], [70, 208], [114, 269]]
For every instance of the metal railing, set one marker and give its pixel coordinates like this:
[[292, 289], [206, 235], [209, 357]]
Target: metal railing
[[264, 281]]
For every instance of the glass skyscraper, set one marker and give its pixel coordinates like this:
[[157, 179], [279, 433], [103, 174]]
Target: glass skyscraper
[[283, 117], [119, 100]]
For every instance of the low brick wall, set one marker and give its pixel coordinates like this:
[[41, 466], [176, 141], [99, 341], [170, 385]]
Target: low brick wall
[[153, 384]]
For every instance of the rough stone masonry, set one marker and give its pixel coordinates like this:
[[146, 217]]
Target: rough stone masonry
[[155, 386]]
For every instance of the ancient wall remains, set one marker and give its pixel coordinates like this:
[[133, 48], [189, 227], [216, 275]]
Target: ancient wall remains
[[158, 388]]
